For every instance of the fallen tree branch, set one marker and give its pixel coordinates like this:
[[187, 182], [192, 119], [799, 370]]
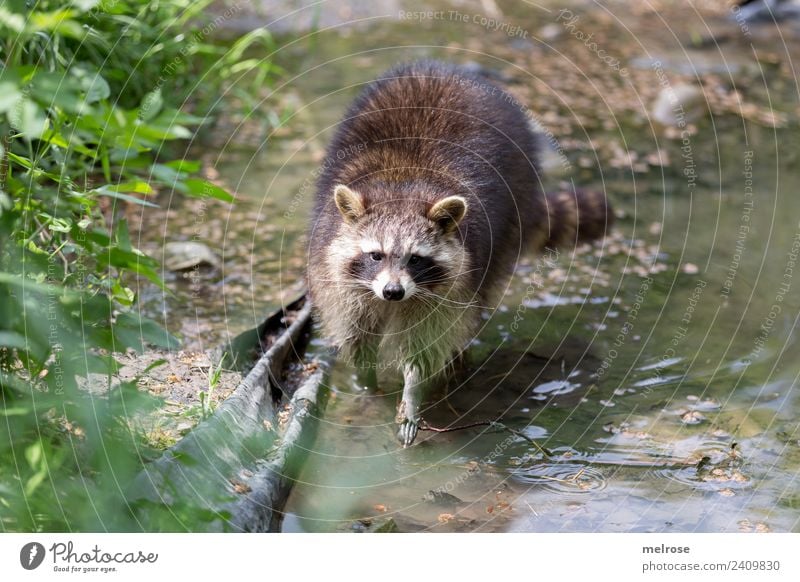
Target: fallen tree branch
[[237, 464], [491, 423], [260, 509]]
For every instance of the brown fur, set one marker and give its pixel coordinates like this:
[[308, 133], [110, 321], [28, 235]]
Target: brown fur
[[419, 134]]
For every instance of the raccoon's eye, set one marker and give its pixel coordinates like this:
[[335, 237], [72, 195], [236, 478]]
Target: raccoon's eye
[[376, 256], [414, 259]]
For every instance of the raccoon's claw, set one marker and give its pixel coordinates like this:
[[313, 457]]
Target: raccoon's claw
[[407, 432], [408, 416]]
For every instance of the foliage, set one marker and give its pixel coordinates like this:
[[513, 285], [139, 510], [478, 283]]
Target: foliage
[[214, 374], [95, 98]]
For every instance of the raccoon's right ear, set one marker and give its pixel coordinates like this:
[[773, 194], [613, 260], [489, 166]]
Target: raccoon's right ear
[[349, 203]]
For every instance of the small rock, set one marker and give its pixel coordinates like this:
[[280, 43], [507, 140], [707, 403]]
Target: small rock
[[690, 268], [692, 417], [181, 256], [439, 497], [679, 104], [184, 427], [550, 32]]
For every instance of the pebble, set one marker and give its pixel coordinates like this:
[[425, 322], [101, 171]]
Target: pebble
[[679, 103]]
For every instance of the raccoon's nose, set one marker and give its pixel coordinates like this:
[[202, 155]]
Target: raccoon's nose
[[393, 292]]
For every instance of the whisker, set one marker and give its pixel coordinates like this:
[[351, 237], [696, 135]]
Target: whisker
[[339, 283], [442, 298], [458, 274]]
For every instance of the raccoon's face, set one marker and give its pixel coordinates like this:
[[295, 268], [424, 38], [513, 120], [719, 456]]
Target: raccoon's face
[[395, 268], [400, 250]]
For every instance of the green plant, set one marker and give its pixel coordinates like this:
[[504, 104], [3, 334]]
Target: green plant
[[96, 102], [214, 374]]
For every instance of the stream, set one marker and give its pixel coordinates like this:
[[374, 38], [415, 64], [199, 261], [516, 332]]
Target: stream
[[659, 369]]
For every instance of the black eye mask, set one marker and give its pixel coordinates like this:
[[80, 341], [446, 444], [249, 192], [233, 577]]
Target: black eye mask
[[425, 270], [364, 267]]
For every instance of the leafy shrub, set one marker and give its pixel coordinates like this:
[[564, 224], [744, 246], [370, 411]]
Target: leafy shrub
[[93, 98]]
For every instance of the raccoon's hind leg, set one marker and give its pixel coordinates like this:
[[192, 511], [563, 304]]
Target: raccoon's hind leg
[[408, 412]]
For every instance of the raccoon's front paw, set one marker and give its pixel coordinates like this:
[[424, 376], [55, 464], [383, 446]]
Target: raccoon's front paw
[[407, 432], [408, 419]]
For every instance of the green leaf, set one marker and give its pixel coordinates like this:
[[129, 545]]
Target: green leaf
[[188, 166], [59, 224], [100, 364], [11, 339], [28, 119], [154, 365], [204, 189], [57, 89], [15, 22], [31, 287], [84, 5], [165, 174], [137, 331], [185, 458], [35, 249], [33, 483], [159, 133], [24, 162], [134, 261], [15, 411], [151, 105], [33, 454], [57, 22], [104, 191], [126, 396], [97, 89], [5, 200], [59, 140], [9, 95], [123, 236], [55, 138], [137, 187], [123, 295]]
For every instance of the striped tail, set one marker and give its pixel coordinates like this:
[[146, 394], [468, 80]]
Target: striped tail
[[576, 216]]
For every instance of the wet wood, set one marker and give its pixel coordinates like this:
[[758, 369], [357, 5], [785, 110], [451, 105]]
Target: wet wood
[[236, 467]]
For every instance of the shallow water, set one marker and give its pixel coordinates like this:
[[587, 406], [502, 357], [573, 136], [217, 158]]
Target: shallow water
[[660, 368]]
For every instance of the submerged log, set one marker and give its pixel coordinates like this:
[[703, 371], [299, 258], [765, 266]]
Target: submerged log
[[260, 509], [236, 467]]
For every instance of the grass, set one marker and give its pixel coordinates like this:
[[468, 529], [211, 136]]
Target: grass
[[97, 103]]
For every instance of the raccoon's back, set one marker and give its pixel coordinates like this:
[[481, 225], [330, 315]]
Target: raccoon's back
[[432, 121]]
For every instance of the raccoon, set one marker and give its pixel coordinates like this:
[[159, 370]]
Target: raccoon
[[428, 195]]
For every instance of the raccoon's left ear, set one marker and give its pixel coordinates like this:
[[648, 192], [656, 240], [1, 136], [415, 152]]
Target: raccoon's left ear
[[349, 203], [448, 212]]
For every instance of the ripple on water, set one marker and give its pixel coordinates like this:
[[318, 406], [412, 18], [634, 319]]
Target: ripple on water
[[553, 300], [658, 380], [661, 364], [563, 477], [553, 388], [712, 467]]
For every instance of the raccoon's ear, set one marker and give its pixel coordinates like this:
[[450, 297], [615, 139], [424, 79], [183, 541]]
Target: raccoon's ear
[[349, 203], [448, 212]]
